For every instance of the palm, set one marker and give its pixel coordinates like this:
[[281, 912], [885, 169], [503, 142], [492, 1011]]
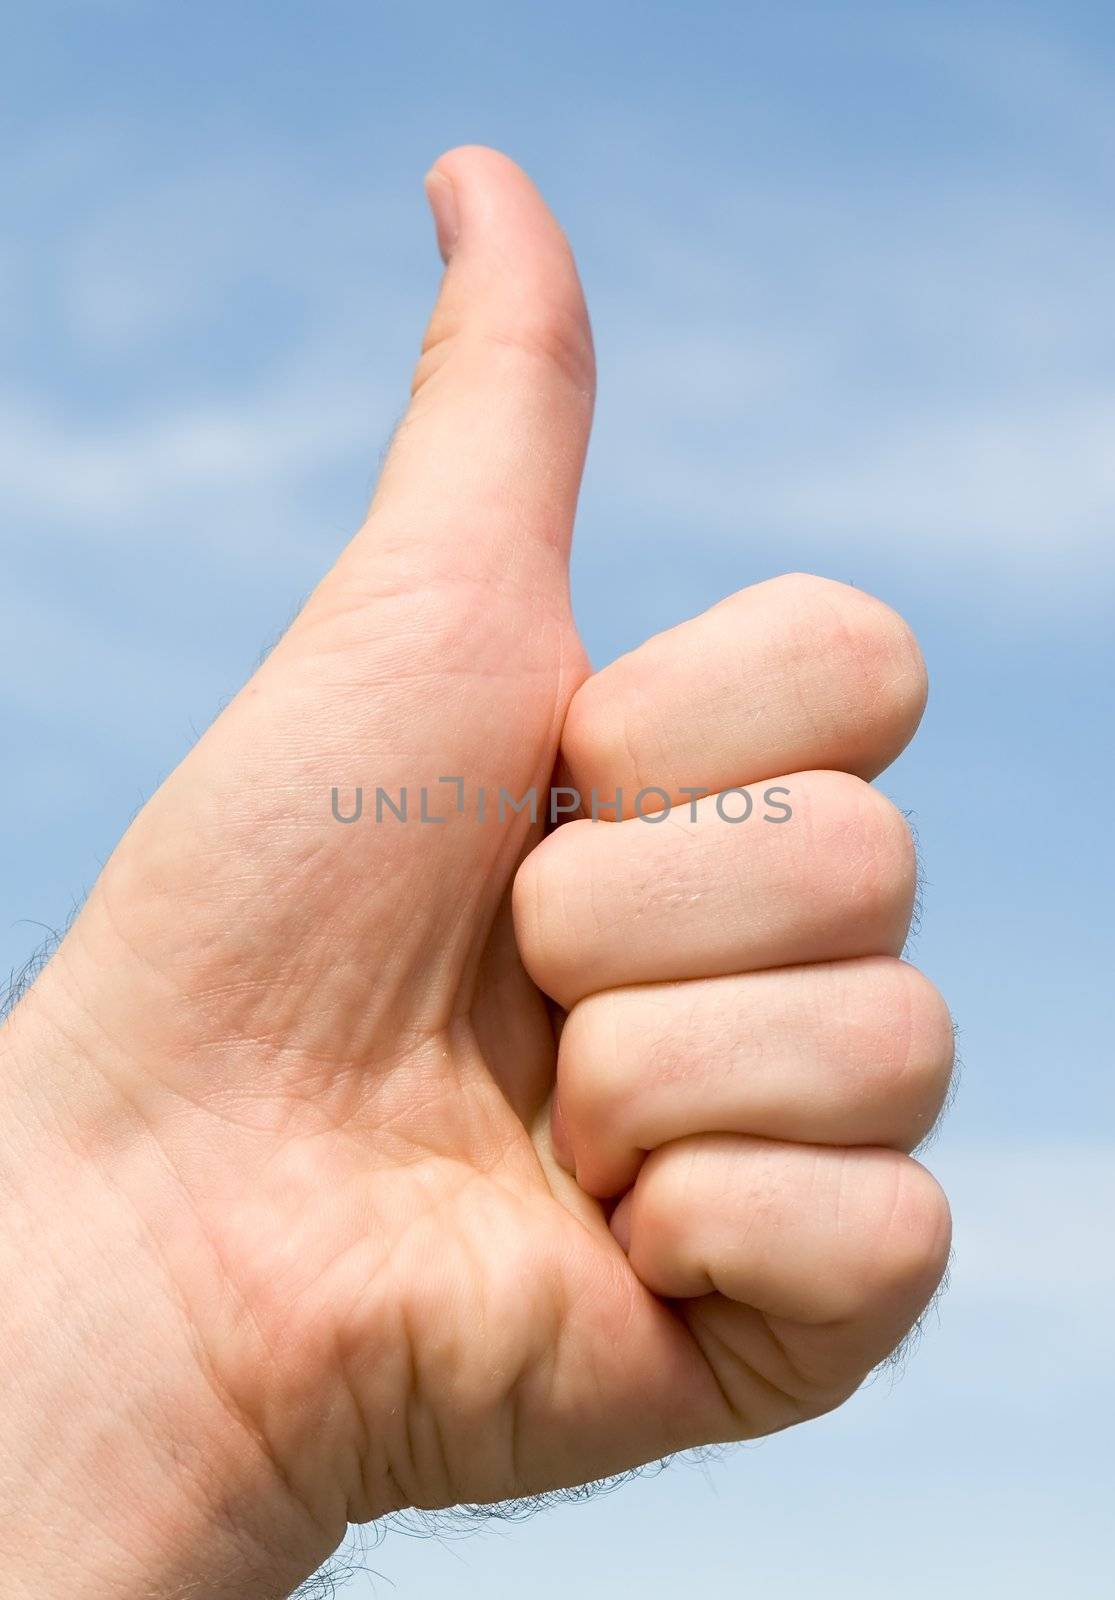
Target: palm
[[370, 1152], [434, 1237]]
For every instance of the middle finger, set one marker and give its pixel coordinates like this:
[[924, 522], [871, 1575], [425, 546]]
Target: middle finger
[[692, 894]]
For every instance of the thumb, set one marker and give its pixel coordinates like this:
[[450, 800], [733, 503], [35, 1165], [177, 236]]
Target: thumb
[[481, 481], [440, 644]]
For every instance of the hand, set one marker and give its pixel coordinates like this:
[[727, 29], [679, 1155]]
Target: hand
[[283, 1098]]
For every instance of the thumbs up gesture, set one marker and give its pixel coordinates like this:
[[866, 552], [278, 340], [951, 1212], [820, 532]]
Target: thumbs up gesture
[[401, 1150]]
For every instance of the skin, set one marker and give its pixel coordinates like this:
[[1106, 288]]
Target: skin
[[296, 1231]]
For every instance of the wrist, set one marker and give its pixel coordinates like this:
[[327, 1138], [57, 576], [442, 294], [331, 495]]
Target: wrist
[[125, 1466]]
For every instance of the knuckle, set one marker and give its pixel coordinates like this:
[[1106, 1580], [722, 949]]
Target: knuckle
[[551, 330], [918, 1233], [872, 848], [924, 1071], [890, 861], [911, 1048], [805, 589], [555, 333], [876, 645]]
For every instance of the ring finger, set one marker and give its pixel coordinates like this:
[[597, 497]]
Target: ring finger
[[840, 1053]]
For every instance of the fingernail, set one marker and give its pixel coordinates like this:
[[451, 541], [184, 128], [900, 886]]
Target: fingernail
[[559, 1138], [620, 1224], [443, 203]]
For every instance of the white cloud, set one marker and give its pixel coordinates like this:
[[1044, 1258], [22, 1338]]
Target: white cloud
[[113, 478], [918, 379], [1022, 494], [1033, 1225], [157, 260]]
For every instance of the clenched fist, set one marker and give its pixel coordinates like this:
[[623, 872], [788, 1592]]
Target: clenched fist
[[425, 1159]]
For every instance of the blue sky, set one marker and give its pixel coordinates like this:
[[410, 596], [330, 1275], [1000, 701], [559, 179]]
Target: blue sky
[[850, 269]]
